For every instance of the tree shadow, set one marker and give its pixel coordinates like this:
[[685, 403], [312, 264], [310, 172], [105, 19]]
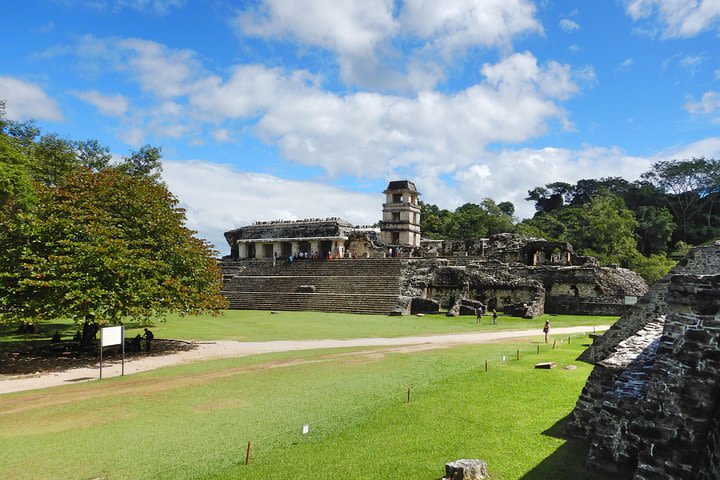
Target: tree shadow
[[568, 461], [34, 353]]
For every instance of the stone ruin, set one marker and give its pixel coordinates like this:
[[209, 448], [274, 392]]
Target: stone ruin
[[404, 274], [651, 406], [521, 276]]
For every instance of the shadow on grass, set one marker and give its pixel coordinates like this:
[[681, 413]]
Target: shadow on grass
[[568, 461], [34, 353]]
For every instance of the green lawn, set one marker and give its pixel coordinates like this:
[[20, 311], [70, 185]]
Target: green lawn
[[194, 421], [253, 325]]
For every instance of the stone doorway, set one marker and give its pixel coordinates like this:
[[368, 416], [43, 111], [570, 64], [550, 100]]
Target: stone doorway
[[286, 249], [325, 248], [267, 250], [305, 247], [251, 250]]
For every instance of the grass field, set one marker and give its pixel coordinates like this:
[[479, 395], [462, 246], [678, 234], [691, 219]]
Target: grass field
[[195, 421], [253, 325]]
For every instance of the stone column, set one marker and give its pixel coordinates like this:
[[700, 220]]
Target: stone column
[[242, 250], [277, 249], [314, 246], [295, 248]]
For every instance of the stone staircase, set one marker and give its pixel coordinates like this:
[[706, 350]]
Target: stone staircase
[[346, 285]]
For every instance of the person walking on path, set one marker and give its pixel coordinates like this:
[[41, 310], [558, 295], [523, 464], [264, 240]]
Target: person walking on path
[[479, 313], [546, 330], [494, 316]]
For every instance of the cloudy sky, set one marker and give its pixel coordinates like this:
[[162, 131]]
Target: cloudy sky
[[278, 109]]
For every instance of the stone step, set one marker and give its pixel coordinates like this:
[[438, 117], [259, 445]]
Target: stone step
[[369, 285]]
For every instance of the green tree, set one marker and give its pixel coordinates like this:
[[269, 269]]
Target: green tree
[[108, 246], [689, 184], [496, 219], [468, 221], [655, 228], [145, 162], [602, 228], [551, 197], [93, 155], [652, 268]]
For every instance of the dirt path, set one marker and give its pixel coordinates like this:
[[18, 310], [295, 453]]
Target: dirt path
[[228, 349]]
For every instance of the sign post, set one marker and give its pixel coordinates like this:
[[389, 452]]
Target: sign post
[[112, 336]]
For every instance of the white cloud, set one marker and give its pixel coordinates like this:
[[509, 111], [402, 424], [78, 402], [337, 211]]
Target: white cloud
[[27, 101], [627, 63], [110, 105], [370, 134], [164, 72], [569, 25], [361, 133], [344, 26], [453, 26], [707, 147], [219, 198], [361, 33], [676, 18], [691, 62], [222, 135], [709, 103]]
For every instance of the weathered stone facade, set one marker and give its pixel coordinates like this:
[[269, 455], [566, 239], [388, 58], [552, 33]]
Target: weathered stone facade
[[521, 275], [501, 278], [651, 404]]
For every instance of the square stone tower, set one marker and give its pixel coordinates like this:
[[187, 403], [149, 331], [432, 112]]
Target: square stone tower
[[401, 215]]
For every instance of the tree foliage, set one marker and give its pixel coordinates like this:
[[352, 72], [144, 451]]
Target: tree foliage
[[690, 186], [467, 221], [83, 239]]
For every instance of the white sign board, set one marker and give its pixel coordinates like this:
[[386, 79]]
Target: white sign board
[[630, 300], [306, 429], [111, 336]]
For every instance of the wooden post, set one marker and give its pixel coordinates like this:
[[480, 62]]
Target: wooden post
[[486, 365], [247, 455], [408, 393], [568, 339], [538, 350], [518, 354], [554, 344]]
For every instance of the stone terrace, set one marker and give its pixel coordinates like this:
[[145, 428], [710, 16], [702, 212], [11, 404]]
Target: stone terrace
[[343, 285]]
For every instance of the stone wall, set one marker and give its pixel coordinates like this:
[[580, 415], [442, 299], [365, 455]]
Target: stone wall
[[652, 403], [535, 290]]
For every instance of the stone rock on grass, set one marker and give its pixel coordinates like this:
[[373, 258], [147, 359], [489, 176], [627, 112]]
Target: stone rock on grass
[[466, 469]]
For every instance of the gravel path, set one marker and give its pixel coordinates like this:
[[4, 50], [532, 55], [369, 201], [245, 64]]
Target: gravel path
[[228, 349]]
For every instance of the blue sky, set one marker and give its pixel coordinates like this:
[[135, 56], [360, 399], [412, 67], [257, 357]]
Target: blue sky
[[272, 109]]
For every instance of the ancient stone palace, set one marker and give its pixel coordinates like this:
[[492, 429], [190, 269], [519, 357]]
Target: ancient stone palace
[[331, 265]]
